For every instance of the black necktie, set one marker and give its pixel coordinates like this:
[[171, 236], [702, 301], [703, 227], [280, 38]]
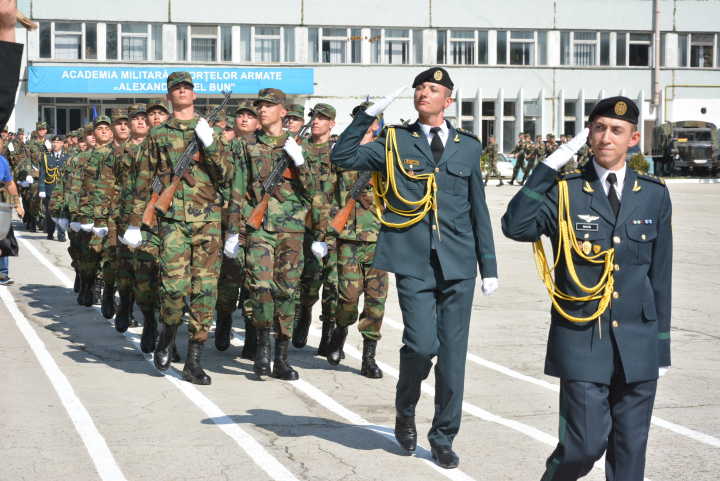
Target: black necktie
[[612, 194], [436, 145]]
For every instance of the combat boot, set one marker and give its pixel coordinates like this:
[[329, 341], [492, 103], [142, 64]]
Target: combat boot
[[262, 356], [486, 180], [223, 327], [369, 367], [511, 182], [327, 329], [500, 184], [87, 293], [164, 348], [147, 338], [122, 316], [81, 292], [175, 355], [132, 322], [78, 282], [336, 344], [107, 308], [281, 368], [97, 291], [193, 371], [251, 342], [32, 225], [303, 319]]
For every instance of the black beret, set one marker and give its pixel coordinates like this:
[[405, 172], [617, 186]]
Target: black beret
[[616, 108], [436, 75], [57, 137]]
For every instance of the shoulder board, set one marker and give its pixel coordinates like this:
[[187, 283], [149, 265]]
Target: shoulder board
[[469, 134], [569, 174], [650, 177], [398, 126]]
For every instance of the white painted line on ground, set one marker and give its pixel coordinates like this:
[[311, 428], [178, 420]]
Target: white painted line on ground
[[254, 449], [94, 442], [696, 435]]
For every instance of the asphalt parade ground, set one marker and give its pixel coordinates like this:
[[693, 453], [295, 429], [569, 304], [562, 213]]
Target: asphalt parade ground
[[80, 401]]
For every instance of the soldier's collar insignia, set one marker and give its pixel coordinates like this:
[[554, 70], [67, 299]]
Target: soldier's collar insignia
[[415, 134], [636, 187], [457, 138], [587, 187]]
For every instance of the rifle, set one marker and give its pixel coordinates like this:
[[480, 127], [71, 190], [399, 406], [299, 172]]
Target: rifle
[[271, 184], [161, 202], [357, 194]]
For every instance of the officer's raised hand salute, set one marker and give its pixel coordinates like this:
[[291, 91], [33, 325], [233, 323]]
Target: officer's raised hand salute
[[609, 340], [435, 234]]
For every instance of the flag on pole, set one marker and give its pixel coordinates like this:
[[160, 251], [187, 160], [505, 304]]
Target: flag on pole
[[94, 112]]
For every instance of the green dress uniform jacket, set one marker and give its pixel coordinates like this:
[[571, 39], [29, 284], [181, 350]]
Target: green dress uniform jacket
[[463, 240], [639, 313]]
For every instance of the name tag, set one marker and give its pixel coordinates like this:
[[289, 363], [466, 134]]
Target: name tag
[[411, 162], [586, 227]]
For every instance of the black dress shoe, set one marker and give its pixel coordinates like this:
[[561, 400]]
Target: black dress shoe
[[405, 431], [445, 457]]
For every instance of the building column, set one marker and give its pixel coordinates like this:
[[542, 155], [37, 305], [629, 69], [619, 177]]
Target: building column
[[430, 46], [102, 42], [365, 46], [492, 51], [499, 134], [671, 50], [458, 108], [561, 112], [553, 48], [580, 112], [301, 45], [613, 49], [541, 113], [641, 117], [520, 112], [477, 113], [169, 33]]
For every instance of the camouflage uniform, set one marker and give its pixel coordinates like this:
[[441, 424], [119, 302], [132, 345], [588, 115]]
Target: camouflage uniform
[[571, 165], [295, 110], [519, 158], [537, 156], [190, 244], [583, 155], [492, 152], [272, 253], [31, 167]]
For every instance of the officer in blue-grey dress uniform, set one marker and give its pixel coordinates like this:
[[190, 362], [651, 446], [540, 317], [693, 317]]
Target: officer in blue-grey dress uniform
[[51, 166], [433, 170], [610, 342]]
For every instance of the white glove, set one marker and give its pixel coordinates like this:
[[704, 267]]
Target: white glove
[[204, 132], [76, 226], [48, 144], [87, 227], [100, 231], [294, 150], [663, 371], [24, 184], [232, 246], [566, 151], [54, 219], [64, 224], [122, 239], [490, 285], [320, 249], [379, 107], [11, 147], [133, 236], [42, 195], [29, 179]]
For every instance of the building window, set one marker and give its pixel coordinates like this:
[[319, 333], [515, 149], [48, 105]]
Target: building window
[[639, 50], [482, 47], [683, 50], [621, 50], [397, 46], [267, 44], [417, 46], [245, 44], [542, 48], [462, 47], [502, 48], [226, 43], [68, 40], [605, 49], [182, 37], [289, 44], [565, 48], [134, 41], [442, 47], [584, 48], [335, 45], [203, 43], [508, 109], [522, 47], [157, 42], [701, 50]]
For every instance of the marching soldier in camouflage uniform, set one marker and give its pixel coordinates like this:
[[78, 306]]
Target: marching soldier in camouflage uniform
[[29, 173], [571, 165], [583, 155], [190, 230], [519, 152], [356, 276], [537, 156], [273, 252], [296, 117], [147, 253], [232, 272], [229, 132], [492, 152], [319, 246]]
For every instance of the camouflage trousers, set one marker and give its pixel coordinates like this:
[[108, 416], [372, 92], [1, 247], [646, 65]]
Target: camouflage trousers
[[492, 169], [32, 197], [519, 164], [273, 262], [147, 271], [356, 276], [189, 266], [232, 275], [92, 254], [110, 265], [125, 274], [530, 165], [317, 273], [75, 249], [570, 165]]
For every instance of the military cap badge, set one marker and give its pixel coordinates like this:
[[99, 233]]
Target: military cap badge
[[438, 75], [620, 108]]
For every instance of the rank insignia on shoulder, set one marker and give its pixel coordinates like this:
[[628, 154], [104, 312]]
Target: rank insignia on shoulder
[[587, 187], [636, 187], [457, 138], [415, 134]]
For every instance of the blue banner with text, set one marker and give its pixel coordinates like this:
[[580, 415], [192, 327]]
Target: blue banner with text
[[143, 80]]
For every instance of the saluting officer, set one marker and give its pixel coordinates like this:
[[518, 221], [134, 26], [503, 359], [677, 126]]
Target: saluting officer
[[434, 171], [609, 343]]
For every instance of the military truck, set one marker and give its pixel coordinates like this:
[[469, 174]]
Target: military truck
[[685, 148]]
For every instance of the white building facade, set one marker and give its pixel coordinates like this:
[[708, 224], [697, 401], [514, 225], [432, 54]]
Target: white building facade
[[518, 65]]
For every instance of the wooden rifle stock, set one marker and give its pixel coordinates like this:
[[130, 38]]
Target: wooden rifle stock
[[340, 220], [258, 213], [166, 198], [149, 214], [363, 202]]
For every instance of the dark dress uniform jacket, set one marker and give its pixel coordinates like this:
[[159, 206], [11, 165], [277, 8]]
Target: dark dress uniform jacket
[[464, 239], [49, 161], [642, 237]]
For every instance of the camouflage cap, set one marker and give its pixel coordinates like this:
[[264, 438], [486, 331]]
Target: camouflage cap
[[326, 110], [365, 105], [246, 105], [178, 78], [87, 128], [230, 123], [521, 133], [5, 129], [157, 102], [275, 96], [136, 109], [21, 131], [492, 137], [118, 114], [100, 119], [72, 133], [539, 137], [295, 110], [41, 125], [568, 137]]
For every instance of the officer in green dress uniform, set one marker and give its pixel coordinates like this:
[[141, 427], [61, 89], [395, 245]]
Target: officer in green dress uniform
[[432, 170], [609, 343]]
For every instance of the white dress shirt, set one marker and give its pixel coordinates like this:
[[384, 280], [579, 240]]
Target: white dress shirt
[[602, 174], [444, 132]]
